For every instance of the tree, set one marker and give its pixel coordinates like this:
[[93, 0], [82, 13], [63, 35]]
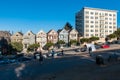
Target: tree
[[61, 42], [93, 38], [32, 47], [73, 42], [48, 45], [84, 40], [17, 46], [68, 26], [111, 36], [117, 33]]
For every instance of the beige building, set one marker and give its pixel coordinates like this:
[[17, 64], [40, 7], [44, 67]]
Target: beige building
[[41, 38], [28, 39], [73, 35], [52, 36], [17, 37], [6, 35], [96, 22]]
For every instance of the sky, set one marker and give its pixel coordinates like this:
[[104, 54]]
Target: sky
[[36, 15]]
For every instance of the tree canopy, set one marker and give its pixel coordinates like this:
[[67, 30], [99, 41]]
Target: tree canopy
[[18, 46], [32, 47], [68, 26]]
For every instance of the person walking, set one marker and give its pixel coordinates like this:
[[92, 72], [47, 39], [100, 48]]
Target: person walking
[[62, 52]]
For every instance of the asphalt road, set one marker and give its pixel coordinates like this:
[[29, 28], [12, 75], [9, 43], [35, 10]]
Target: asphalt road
[[33, 70]]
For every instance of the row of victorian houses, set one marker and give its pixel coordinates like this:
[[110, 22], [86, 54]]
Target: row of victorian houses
[[41, 37]]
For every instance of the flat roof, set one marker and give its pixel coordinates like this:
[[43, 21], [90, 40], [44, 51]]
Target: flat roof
[[100, 9]]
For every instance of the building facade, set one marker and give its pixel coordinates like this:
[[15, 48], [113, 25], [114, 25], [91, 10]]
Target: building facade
[[28, 39], [63, 35], [17, 37], [41, 38], [73, 35], [96, 22], [6, 35], [52, 36]]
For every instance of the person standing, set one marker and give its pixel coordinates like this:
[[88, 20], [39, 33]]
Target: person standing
[[62, 52]]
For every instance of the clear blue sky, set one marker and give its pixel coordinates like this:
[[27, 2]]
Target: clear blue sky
[[24, 15]]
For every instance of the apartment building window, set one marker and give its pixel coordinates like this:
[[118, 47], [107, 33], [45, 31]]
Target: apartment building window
[[96, 17], [106, 18], [87, 17], [92, 21], [96, 13], [92, 26], [96, 30], [91, 13], [110, 26], [105, 26], [87, 12], [96, 26], [87, 34], [110, 14], [96, 34], [114, 15], [96, 22], [114, 23], [87, 21], [91, 17], [87, 30], [106, 14], [110, 18], [87, 26], [110, 22], [110, 31], [92, 34], [114, 26], [106, 30], [106, 22], [92, 30]]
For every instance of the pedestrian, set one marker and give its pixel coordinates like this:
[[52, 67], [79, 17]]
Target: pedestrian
[[41, 57], [90, 51], [62, 52], [53, 52]]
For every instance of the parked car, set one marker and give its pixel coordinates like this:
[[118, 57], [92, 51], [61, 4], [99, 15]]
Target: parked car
[[78, 50], [105, 46]]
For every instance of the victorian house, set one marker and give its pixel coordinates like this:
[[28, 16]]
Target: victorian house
[[52, 36], [73, 35], [63, 35], [28, 39], [41, 38], [17, 37], [6, 35], [4, 41]]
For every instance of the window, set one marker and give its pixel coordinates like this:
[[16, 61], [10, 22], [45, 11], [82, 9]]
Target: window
[[110, 30], [110, 22], [106, 22], [87, 21], [114, 15], [106, 30], [96, 30], [96, 13], [91, 13], [92, 30], [106, 14], [96, 34], [87, 12], [92, 35], [110, 14], [87, 34], [91, 17], [110, 18], [87, 30], [96, 22], [87, 26], [110, 26], [92, 21], [87, 17], [92, 26], [106, 18], [96, 17]]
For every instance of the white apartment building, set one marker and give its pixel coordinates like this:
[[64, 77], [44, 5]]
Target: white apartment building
[[96, 22]]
